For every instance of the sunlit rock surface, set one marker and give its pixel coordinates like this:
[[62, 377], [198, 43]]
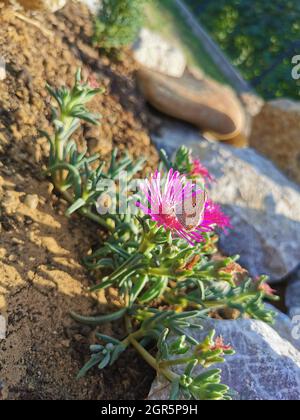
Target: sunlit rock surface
[[210, 106], [265, 366], [155, 53], [264, 207]]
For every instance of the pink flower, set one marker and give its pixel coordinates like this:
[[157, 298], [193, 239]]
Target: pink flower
[[200, 170], [219, 345], [215, 217], [166, 200], [91, 81], [267, 289]]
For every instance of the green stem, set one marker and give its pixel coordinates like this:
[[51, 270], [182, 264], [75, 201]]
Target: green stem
[[144, 353], [75, 173], [59, 148], [132, 339], [95, 218], [146, 246], [59, 145], [136, 335], [128, 324], [58, 176], [171, 376], [224, 304], [98, 320], [174, 362], [161, 271], [86, 213]]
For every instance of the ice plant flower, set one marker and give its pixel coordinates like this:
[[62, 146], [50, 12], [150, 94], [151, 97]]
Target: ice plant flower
[[238, 273], [214, 217], [92, 81], [267, 289], [167, 200], [219, 345], [198, 170]]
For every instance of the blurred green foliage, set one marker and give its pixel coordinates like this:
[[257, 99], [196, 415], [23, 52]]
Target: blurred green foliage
[[260, 37], [118, 23]]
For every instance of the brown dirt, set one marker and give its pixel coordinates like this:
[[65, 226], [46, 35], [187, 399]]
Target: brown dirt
[[41, 278], [276, 135]]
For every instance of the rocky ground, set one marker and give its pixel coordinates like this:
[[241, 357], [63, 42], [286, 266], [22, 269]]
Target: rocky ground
[[41, 278]]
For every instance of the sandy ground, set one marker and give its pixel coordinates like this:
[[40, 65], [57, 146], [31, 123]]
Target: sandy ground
[[41, 278]]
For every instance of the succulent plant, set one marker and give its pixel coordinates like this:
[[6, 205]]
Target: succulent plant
[[161, 265]]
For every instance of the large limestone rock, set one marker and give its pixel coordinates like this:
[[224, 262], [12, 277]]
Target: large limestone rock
[[263, 204], [214, 108], [155, 53], [264, 207], [174, 134], [276, 134], [285, 327], [265, 366]]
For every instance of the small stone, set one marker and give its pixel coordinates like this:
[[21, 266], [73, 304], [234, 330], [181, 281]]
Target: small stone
[[93, 5], [30, 275], [28, 221], [79, 338], [2, 70], [17, 241], [31, 201], [10, 202], [155, 53], [65, 343], [31, 387], [45, 5], [50, 188]]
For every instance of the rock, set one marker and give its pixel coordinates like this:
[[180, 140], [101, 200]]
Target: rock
[[173, 135], [2, 70], [46, 5], [253, 103], [212, 107], [263, 204], [287, 105], [31, 201], [93, 5], [276, 134], [284, 326], [2, 327], [264, 207], [10, 202], [66, 343], [265, 366], [292, 299], [155, 53]]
